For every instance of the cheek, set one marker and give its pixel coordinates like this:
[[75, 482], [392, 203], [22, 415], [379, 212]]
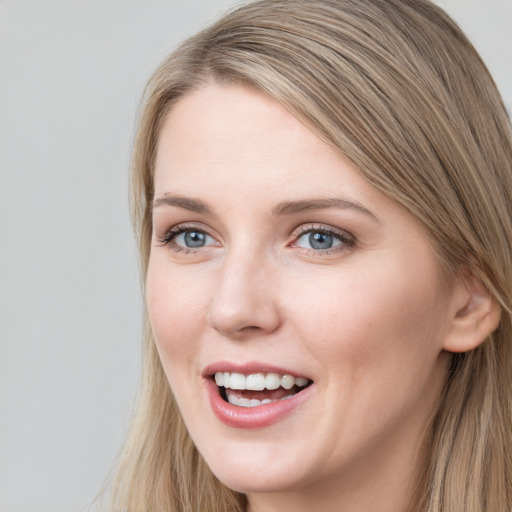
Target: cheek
[[376, 339], [370, 320], [175, 312]]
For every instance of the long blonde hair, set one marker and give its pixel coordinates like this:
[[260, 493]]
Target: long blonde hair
[[397, 88]]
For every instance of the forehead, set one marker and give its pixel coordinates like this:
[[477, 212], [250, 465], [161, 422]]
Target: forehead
[[245, 139]]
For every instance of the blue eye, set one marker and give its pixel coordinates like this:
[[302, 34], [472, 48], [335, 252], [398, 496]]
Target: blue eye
[[320, 240], [192, 239]]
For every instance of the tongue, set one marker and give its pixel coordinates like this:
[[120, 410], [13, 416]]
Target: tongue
[[274, 394]]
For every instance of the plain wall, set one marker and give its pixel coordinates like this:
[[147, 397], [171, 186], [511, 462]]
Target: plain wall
[[71, 76]]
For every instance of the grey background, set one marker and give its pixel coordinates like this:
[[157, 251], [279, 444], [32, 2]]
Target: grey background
[[71, 76]]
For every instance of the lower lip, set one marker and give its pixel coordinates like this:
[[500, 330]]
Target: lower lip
[[253, 417]]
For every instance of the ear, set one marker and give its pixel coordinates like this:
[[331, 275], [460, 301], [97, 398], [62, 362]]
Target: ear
[[475, 314]]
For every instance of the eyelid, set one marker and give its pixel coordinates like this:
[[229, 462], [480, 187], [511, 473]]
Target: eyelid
[[316, 226], [347, 239], [167, 238]]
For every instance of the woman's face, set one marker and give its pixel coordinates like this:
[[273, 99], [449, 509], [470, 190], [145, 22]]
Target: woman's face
[[273, 259]]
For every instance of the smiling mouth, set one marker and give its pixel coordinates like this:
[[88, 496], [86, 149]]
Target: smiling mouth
[[258, 389]]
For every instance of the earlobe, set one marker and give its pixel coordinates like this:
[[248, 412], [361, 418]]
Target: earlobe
[[475, 315]]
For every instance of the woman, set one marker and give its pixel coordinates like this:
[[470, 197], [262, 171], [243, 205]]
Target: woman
[[322, 193]]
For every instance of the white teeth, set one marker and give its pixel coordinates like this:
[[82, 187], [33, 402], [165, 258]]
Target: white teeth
[[258, 381], [272, 381], [301, 381], [287, 381], [246, 402], [242, 402], [237, 381], [255, 382]]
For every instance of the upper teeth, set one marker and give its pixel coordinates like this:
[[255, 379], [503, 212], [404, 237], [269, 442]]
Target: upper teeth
[[258, 381]]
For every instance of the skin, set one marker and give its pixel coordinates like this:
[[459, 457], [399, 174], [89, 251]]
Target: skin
[[366, 320]]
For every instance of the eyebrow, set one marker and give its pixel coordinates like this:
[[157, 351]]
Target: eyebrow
[[187, 203], [292, 207], [283, 208]]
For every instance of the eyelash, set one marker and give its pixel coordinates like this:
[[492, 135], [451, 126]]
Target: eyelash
[[346, 240], [169, 236]]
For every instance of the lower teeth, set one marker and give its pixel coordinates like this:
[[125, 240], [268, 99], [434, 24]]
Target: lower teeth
[[252, 402]]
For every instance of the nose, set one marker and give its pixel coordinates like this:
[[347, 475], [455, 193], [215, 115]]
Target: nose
[[244, 302]]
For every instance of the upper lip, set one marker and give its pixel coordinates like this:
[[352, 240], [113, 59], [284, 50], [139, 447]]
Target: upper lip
[[248, 368]]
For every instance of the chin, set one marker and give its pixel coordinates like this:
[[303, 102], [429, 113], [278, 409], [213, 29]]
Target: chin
[[251, 483], [265, 470]]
